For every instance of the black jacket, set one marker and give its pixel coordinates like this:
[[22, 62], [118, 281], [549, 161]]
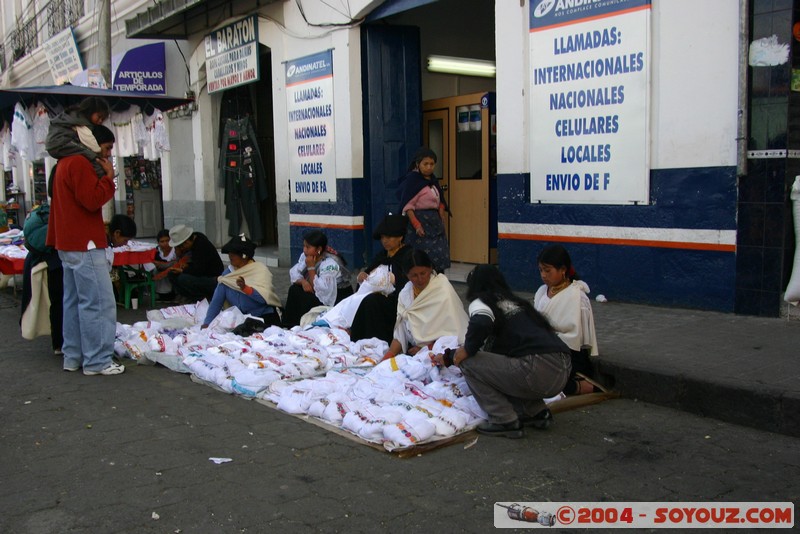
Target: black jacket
[[205, 260]]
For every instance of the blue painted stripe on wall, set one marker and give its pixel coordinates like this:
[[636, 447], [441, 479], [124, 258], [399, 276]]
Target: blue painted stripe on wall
[[349, 243], [349, 202], [657, 276], [695, 198]]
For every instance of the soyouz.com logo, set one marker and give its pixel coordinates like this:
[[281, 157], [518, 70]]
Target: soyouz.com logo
[[653, 515]]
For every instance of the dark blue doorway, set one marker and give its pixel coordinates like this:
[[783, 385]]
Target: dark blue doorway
[[392, 94]]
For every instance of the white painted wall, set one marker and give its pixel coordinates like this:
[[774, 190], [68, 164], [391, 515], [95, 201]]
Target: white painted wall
[[513, 86], [295, 39], [281, 28], [694, 84]]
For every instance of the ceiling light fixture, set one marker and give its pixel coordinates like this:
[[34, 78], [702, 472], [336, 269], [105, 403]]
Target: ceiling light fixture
[[458, 65]]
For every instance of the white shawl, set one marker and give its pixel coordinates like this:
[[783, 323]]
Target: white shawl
[[36, 319], [570, 314], [257, 276], [437, 311]]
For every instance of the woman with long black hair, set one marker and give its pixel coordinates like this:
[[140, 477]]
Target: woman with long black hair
[[511, 358]]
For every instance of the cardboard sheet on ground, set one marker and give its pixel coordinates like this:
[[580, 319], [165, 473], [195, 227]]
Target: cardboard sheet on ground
[[404, 405]]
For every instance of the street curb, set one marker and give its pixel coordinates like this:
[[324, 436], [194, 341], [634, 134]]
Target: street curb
[[765, 409]]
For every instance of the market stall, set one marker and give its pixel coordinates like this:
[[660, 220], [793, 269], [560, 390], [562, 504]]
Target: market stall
[[403, 405], [137, 120]]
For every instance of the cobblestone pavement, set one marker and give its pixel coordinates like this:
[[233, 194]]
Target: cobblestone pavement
[[130, 453]]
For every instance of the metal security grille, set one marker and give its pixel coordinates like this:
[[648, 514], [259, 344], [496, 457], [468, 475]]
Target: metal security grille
[[24, 39], [62, 14]]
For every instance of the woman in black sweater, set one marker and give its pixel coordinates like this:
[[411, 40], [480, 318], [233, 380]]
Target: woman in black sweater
[[511, 358]]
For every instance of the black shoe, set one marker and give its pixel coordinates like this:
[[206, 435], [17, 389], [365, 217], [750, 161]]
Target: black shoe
[[506, 430], [542, 420]]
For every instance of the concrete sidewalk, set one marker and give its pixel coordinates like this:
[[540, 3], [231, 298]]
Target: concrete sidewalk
[[741, 369]]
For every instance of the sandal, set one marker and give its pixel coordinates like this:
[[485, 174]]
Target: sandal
[[582, 387], [585, 385]]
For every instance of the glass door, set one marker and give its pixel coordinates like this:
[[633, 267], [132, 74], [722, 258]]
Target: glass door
[[465, 171]]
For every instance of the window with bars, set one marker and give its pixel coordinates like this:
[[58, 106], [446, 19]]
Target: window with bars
[[24, 39], [62, 14]]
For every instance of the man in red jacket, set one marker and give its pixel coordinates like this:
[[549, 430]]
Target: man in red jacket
[[77, 231]]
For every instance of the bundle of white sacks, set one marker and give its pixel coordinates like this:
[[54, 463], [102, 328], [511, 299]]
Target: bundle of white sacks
[[317, 371]]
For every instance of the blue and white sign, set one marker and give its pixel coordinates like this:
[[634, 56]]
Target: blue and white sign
[[232, 55], [309, 105], [63, 57], [590, 71], [142, 69]]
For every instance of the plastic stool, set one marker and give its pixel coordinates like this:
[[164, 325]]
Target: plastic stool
[[141, 280]]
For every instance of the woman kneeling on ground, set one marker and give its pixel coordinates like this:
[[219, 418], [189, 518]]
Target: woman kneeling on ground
[[511, 358], [246, 284], [427, 308]]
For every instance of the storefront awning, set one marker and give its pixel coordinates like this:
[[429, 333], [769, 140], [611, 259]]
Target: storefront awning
[[178, 19], [72, 94]]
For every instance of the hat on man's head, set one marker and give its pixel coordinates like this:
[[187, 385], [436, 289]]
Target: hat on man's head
[[391, 225], [179, 233], [240, 245]]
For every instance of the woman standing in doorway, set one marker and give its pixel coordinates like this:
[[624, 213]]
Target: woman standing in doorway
[[422, 200]]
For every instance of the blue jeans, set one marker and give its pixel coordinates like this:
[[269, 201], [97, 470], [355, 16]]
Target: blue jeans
[[90, 312]]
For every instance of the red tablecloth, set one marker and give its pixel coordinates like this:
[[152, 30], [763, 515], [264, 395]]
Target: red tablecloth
[[134, 258], [16, 265], [11, 265]]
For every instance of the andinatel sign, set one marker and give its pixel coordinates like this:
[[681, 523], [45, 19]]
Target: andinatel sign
[[309, 107]]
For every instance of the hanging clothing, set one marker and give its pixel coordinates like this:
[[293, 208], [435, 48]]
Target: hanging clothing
[[160, 136], [122, 122], [244, 178], [41, 125], [140, 135], [8, 148], [148, 145], [22, 132]]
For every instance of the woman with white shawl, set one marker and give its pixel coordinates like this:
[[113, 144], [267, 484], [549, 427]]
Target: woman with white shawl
[[563, 299], [246, 284], [427, 308]]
